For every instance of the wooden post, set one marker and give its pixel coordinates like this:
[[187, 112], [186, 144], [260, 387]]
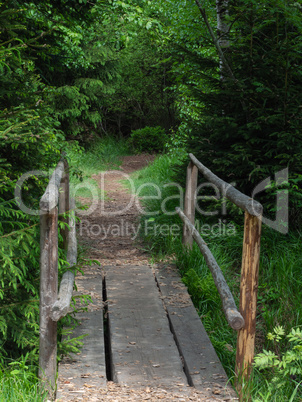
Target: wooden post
[[48, 296], [189, 207], [248, 301]]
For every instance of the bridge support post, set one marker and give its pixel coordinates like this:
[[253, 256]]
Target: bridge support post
[[248, 302], [189, 207], [48, 296]]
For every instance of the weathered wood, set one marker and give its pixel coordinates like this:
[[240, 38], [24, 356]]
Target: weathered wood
[[241, 200], [86, 369], [201, 363], [50, 198], [143, 349], [233, 316], [72, 251], [64, 203], [61, 306], [189, 207], [248, 295], [48, 295]]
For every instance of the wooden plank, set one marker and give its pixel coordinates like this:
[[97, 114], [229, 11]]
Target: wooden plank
[[201, 362], [142, 345], [88, 367], [189, 207]]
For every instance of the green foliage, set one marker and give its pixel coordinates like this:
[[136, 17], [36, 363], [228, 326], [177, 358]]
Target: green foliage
[[140, 96], [247, 127], [19, 382], [103, 154], [279, 274], [19, 294], [177, 143], [29, 135], [148, 139], [284, 370], [19, 283]]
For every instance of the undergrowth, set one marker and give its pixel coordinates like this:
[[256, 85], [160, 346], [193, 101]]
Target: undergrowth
[[280, 281], [19, 382], [103, 154]]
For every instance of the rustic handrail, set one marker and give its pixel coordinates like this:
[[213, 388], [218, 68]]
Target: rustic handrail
[[54, 306], [250, 258], [231, 312], [50, 198], [244, 202], [62, 305]]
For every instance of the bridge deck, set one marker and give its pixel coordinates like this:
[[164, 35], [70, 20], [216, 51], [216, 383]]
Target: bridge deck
[[143, 331]]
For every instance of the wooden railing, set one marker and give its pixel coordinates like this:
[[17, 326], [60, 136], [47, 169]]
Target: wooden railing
[[244, 320], [53, 304]]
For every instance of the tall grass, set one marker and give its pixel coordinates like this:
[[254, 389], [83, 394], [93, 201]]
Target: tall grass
[[280, 279], [20, 385], [103, 154]]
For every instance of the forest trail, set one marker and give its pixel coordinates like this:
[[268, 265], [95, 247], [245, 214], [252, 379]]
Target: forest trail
[[151, 317]]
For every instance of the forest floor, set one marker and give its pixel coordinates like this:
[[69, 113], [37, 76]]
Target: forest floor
[[113, 240]]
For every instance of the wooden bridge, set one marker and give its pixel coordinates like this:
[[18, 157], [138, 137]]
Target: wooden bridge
[[141, 331]]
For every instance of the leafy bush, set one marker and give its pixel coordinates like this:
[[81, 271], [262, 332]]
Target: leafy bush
[[285, 370], [148, 139]]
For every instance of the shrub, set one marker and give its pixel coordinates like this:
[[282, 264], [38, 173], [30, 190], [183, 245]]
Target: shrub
[[285, 368], [148, 139]]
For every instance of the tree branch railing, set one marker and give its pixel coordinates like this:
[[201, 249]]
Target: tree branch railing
[[54, 304], [244, 320]]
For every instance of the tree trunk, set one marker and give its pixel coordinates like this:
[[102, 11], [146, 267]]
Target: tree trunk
[[222, 31]]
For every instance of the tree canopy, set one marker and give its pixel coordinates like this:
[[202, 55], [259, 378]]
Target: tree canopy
[[75, 71]]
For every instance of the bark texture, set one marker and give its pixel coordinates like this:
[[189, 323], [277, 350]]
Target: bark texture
[[248, 296], [62, 304], [48, 295], [190, 197]]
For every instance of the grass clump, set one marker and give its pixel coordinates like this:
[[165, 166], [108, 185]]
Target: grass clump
[[19, 382], [103, 154], [280, 280]]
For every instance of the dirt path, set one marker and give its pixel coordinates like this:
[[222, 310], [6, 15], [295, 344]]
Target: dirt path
[[111, 231], [112, 239]]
